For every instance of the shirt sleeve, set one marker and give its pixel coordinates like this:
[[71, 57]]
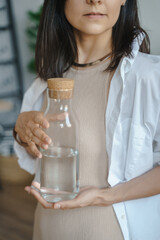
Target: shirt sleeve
[[156, 145], [25, 160]]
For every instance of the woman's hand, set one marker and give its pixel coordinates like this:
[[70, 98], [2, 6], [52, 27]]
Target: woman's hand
[[143, 186], [88, 196], [28, 127]]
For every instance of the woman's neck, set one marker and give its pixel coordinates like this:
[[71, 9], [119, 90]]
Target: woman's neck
[[92, 47]]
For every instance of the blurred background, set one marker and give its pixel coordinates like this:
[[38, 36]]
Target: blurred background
[[18, 28]]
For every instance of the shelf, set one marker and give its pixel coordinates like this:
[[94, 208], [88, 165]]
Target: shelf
[[3, 8], [9, 95], [11, 61], [11, 72], [5, 28], [8, 127]]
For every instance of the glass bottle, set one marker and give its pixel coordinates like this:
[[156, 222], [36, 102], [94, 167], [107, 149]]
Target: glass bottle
[[59, 175]]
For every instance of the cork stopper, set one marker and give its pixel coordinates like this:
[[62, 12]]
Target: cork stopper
[[60, 88]]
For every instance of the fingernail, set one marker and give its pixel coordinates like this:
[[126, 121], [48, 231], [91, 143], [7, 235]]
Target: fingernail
[[45, 146], [27, 189], [49, 205], [48, 140], [57, 206], [46, 125], [40, 155]]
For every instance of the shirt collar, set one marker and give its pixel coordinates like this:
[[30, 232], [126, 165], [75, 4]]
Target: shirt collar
[[127, 62]]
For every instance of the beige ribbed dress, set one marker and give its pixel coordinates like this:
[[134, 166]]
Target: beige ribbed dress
[[93, 222]]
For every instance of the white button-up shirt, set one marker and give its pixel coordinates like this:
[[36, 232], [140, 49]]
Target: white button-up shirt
[[132, 137]]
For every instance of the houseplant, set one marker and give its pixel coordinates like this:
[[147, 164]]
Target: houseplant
[[31, 31]]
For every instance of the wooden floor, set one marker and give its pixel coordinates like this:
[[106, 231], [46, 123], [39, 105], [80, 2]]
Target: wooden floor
[[16, 211]]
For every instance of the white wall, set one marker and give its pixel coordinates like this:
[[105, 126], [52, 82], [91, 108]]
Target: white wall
[[149, 15], [149, 11], [20, 8]]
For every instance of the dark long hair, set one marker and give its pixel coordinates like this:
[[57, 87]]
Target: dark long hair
[[56, 48]]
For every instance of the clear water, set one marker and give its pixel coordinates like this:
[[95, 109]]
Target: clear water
[[59, 174]]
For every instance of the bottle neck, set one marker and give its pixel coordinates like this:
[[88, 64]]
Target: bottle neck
[[59, 105], [59, 101]]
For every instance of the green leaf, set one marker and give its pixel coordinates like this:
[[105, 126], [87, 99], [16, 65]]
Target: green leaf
[[31, 66], [32, 46], [31, 32], [35, 16]]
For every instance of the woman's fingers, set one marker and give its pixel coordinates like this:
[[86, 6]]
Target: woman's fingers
[[38, 197], [37, 134], [34, 131], [38, 142], [36, 185], [34, 150], [35, 191], [29, 128], [41, 120]]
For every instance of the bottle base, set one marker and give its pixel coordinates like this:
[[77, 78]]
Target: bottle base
[[52, 198]]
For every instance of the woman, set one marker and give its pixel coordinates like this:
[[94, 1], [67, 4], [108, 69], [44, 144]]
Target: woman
[[99, 44]]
